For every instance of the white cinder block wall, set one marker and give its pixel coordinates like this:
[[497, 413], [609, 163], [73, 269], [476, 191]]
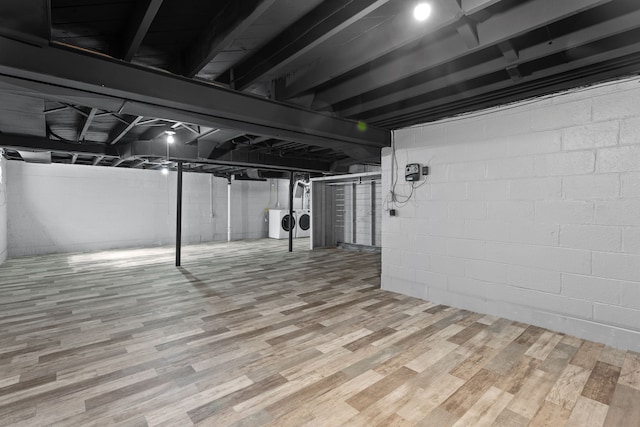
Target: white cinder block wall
[[70, 208], [3, 209], [531, 212]]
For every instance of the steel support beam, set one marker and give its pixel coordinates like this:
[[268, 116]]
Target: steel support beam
[[181, 99], [18, 142], [511, 23], [508, 50], [87, 124], [119, 133], [223, 29], [179, 217], [467, 30], [323, 22], [257, 159], [205, 152], [29, 21], [473, 6], [398, 32], [355, 150], [97, 160], [143, 15]]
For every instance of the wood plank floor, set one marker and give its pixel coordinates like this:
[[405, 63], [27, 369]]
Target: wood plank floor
[[246, 334]]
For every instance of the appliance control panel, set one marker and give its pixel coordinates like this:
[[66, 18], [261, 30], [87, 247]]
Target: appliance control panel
[[412, 172]]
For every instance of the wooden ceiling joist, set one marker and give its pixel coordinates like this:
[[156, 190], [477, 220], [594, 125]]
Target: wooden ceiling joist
[[223, 29], [322, 23], [498, 28], [144, 13]]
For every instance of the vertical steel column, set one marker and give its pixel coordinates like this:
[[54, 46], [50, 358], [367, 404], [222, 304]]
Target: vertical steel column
[[229, 209], [373, 212], [354, 217], [179, 216], [291, 211]]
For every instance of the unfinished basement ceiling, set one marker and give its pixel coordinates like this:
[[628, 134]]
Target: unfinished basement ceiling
[[309, 85]]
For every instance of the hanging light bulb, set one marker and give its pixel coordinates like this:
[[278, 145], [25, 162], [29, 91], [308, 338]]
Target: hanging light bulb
[[170, 138], [422, 11], [165, 170]]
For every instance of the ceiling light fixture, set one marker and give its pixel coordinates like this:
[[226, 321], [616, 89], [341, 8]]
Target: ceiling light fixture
[[170, 138], [422, 11], [165, 170]]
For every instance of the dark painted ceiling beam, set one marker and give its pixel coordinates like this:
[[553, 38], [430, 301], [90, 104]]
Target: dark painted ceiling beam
[[474, 6], [19, 142], [509, 51], [317, 26], [144, 13], [514, 72], [467, 29], [122, 130], [354, 150], [100, 82], [87, 124], [526, 16], [97, 160], [155, 131], [150, 149], [206, 152], [257, 159], [547, 83], [581, 37], [511, 23], [63, 95], [201, 135], [223, 29], [28, 21], [398, 32]]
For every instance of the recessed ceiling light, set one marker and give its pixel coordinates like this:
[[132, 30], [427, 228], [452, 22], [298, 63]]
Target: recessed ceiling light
[[422, 11]]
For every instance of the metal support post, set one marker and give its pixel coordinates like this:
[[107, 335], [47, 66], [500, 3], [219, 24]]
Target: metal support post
[[229, 209], [179, 216], [291, 211]]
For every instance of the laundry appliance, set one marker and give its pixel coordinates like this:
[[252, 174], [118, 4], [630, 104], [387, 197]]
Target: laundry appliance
[[303, 226], [280, 222]]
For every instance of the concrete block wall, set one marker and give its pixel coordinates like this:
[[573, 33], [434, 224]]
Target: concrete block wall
[[3, 210], [71, 208], [531, 212], [362, 214]]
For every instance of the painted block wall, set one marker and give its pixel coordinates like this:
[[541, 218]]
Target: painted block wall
[[361, 215], [531, 212], [3, 210], [70, 208]]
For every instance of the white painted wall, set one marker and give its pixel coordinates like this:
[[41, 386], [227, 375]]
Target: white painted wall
[[362, 214], [532, 212], [70, 208], [3, 209]]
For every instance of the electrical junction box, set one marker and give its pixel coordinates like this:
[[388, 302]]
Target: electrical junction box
[[412, 172]]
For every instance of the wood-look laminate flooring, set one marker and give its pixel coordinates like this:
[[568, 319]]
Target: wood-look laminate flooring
[[247, 334]]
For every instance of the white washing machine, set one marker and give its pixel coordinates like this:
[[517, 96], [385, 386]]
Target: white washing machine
[[303, 226], [279, 223]]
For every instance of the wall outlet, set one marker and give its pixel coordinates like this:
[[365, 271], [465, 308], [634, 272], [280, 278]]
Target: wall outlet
[[392, 212], [425, 170]]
